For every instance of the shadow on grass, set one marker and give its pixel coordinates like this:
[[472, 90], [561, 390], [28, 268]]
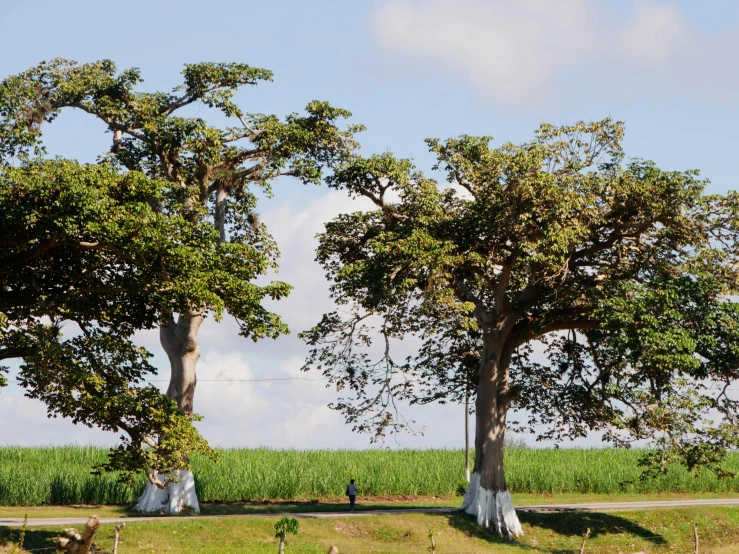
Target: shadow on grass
[[570, 523], [269, 507], [245, 508], [35, 539], [576, 523]]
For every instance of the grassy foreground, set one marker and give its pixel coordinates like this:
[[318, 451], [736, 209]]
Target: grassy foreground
[[653, 532], [61, 476]]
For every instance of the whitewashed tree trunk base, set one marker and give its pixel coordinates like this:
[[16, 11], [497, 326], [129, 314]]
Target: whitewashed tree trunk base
[[493, 509], [172, 499]]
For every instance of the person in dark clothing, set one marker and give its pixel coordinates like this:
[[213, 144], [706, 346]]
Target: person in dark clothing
[[351, 492]]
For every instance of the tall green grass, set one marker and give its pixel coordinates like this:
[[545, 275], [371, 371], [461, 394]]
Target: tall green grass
[[61, 475]]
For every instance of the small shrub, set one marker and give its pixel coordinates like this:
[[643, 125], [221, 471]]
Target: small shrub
[[283, 527], [461, 487]]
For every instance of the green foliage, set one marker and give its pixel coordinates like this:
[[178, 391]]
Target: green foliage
[[165, 224], [665, 344], [462, 485], [94, 379], [83, 244], [286, 525], [61, 475], [196, 163], [68, 229], [624, 273]]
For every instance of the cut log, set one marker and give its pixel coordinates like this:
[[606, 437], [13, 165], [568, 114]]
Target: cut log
[[74, 542]]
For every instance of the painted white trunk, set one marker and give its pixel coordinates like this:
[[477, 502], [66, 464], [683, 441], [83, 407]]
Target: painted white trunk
[[172, 499], [493, 509], [469, 494]]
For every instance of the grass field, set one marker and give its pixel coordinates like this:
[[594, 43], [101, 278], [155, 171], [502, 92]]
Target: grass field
[[655, 532], [61, 476]]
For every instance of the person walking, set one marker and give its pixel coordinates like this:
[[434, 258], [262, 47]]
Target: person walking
[[351, 492]]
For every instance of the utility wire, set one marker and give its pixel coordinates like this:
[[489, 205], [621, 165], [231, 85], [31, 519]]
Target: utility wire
[[246, 380], [287, 379]]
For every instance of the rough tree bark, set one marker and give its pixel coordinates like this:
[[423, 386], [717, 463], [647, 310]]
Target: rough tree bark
[[487, 496], [180, 341]]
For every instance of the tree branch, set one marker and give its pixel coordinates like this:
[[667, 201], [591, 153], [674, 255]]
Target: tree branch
[[16, 352]]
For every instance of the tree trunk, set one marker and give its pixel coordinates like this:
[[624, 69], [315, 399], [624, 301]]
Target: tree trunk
[[487, 496], [180, 342]]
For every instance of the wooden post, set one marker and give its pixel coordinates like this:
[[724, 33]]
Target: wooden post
[[467, 433], [582, 548], [22, 537], [695, 538], [118, 529]]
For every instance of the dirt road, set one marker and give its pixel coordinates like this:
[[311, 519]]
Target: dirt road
[[596, 507]]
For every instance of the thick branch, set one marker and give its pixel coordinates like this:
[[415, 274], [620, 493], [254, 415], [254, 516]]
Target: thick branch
[[16, 352], [523, 332], [503, 280], [19, 259]]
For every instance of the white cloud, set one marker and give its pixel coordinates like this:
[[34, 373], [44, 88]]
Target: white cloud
[[23, 421], [532, 52]]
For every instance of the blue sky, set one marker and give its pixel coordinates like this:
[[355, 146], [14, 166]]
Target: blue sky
[[407, 70]]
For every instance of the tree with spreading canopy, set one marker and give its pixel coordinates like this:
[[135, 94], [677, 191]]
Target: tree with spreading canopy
[[622, 273], [82, 245], [209, 176]]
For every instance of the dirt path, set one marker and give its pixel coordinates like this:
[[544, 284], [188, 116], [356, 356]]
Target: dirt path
[[598, 507]]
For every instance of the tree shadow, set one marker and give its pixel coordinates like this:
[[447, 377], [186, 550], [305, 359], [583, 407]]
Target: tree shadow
[[300, 506], [35, 539], [568, 523], [577, 522]]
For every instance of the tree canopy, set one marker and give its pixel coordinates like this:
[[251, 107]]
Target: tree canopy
[[83, 246], [208, 169], [624, 273], [163, 231]]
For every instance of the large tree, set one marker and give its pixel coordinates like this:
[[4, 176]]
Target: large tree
[[211, 172], [81, 245], [624, 272]]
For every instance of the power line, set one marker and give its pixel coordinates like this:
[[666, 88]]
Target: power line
[[246, 380], [288, 379]]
